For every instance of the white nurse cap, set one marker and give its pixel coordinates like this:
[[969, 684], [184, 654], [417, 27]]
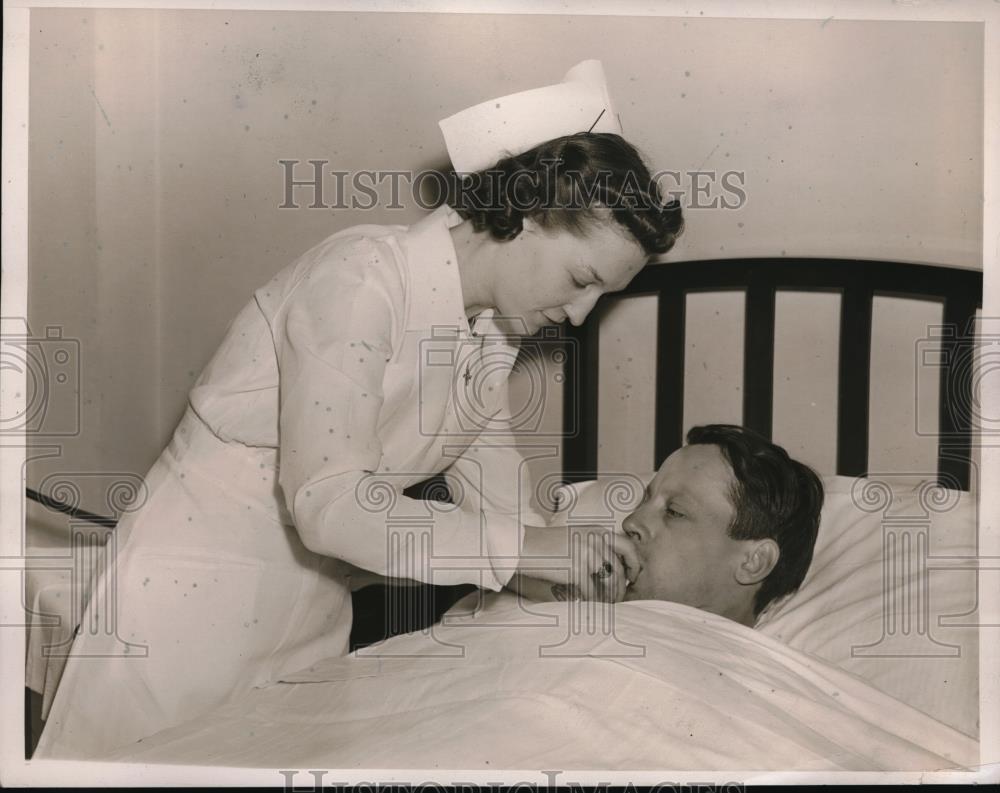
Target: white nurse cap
[[480, 135]]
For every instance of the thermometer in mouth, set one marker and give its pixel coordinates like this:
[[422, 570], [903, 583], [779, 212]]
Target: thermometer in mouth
[[607, 570], [565, 592]]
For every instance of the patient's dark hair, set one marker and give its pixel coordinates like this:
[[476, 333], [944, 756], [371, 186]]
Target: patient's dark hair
[[775, 497], [560, 183]]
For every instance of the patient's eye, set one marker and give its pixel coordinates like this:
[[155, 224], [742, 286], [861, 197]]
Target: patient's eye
[[673, 512]]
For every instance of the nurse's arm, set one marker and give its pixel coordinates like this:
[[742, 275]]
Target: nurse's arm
[[334, 339], [490, 482]]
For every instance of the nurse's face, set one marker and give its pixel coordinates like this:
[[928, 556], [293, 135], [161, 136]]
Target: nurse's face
[[549, 276]]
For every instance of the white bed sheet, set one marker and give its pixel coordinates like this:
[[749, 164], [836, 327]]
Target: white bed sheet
[[703, 694]]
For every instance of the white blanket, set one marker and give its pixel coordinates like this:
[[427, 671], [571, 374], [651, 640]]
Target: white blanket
[[645, 685]]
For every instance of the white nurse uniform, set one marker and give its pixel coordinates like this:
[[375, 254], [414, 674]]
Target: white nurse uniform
[[345, 379]]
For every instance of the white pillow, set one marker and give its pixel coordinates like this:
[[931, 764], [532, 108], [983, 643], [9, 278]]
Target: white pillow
[[609, 498], [884, 597], [855, 587]]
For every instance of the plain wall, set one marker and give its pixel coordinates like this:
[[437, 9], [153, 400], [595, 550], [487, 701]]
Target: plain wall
[[155, 184]]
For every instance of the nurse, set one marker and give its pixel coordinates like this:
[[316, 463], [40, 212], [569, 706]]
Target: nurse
[[377, 359]]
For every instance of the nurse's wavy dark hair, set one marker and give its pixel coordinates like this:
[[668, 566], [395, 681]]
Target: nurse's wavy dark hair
[[775, 497], [560, 184]]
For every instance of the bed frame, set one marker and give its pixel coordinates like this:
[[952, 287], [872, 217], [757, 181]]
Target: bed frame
[[858, 281]]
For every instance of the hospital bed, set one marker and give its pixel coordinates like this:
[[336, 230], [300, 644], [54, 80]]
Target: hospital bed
[[871, 665]]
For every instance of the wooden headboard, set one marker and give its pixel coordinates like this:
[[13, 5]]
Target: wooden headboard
[[858, 281]]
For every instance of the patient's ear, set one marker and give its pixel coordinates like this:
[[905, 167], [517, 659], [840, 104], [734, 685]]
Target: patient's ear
[[759, 560]]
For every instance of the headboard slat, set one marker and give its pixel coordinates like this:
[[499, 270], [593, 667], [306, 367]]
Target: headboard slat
[[955, 403], [854, 379], [758, 357], [670, 344], [580, 383]]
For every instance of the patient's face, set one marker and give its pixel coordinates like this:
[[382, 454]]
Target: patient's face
[[680, 530]]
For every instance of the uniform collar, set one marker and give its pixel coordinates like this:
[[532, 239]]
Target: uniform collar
[[435, 287]]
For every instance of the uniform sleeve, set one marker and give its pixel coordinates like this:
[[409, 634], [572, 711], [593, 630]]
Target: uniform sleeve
[[334, 339], [490, 481]]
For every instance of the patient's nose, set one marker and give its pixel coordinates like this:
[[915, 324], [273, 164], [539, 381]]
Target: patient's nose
[[632, 528]]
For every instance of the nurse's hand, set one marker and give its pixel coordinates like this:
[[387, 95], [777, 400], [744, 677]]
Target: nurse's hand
[[580, 562]]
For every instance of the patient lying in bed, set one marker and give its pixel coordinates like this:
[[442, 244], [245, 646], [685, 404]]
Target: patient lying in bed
[[727, 525], [666, 685]]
